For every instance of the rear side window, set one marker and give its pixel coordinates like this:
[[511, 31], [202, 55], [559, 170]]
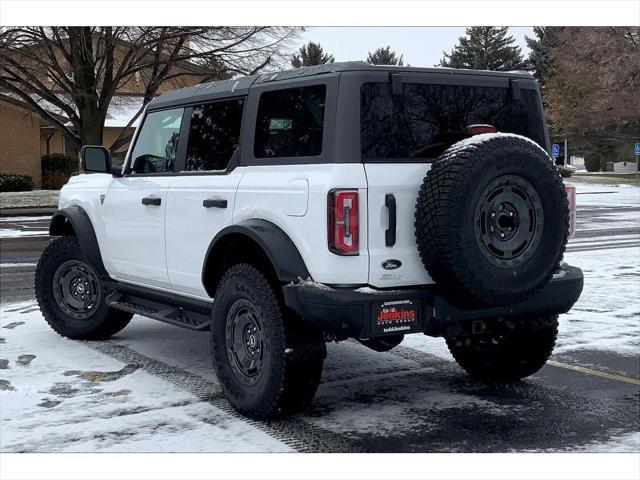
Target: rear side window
[[157, 142], [427, 118], [290, 122], [214, 135]]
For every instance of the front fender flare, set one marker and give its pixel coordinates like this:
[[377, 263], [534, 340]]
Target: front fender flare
[[75, 221], [276, 244]]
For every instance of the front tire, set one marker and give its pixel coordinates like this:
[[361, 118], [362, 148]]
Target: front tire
[[70, 294], [508, 351], [268, 361]]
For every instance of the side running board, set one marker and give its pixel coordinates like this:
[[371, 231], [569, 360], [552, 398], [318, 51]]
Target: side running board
[[185, 313]]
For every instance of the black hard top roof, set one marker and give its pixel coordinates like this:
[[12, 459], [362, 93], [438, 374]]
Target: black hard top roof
[[240, 86]]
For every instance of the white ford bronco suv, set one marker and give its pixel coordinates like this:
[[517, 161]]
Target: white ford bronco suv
[[282, 211]]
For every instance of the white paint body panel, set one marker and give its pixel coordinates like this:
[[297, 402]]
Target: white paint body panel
[[84, 191], [133, 246], [191, 227], [403, 180], [274, 193]]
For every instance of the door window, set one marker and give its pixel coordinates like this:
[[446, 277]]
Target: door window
[[290, 122], [214, 135], [157, 143]]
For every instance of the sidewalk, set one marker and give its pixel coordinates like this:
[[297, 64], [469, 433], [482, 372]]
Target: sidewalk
[[36, 202]]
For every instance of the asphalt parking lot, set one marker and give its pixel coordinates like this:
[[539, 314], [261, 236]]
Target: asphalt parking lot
[[151, 388]]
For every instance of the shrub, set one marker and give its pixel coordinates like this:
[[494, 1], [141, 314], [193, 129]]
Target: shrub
[[564, 171], [592, 163], [56, 170], [10, 182]]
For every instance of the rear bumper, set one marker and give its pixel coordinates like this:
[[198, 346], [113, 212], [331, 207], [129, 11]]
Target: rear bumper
[[348, 312]]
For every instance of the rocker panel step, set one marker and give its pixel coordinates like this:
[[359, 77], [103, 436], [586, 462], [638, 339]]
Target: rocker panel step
[[170, 311]]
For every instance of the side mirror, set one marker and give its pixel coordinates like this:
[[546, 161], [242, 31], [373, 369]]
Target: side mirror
[[95, 159]]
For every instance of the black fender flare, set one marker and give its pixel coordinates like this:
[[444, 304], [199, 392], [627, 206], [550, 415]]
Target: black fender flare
[[276, 244], [75, 221]]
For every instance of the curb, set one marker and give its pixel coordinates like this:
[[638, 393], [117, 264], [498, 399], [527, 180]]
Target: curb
[[26, 211]]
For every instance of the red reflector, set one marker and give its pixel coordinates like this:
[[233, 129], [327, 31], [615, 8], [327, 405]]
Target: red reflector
[[481, 128], [342, 222], [571, 197]]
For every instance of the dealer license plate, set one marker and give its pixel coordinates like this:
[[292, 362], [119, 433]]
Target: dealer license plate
[[396, 317]]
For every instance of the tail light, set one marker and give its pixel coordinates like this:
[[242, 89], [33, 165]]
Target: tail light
[[571, 197], [480, 128], [343, 222]]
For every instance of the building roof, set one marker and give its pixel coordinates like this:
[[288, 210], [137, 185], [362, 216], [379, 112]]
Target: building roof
[[121, 109], [241, 85]]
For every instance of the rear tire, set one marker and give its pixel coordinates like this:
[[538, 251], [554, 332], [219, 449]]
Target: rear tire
[[70, 294], [268, 361], [509, 351]]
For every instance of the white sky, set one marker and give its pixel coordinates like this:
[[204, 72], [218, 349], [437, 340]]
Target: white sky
[[421, 46]]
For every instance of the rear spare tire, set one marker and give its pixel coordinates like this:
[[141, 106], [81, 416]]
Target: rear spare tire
[[492, 219]]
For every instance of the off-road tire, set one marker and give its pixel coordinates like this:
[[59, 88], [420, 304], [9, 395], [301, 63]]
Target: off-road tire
[[509, 351], [293, 351], [451, 221], [102, 322]]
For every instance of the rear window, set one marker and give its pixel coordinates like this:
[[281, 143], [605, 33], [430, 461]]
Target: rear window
[[427, 118], [290, 122]]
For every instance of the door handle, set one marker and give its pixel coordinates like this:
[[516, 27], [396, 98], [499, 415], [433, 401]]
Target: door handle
[[155, 201], [390, 233], [214, 203]]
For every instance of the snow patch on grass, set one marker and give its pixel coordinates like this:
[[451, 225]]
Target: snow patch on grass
[[35, 198]]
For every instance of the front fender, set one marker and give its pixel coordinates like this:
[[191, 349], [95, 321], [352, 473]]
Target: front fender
[[75, 221]]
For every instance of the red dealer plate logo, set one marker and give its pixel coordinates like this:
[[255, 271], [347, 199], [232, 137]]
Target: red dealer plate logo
[[395, 317]]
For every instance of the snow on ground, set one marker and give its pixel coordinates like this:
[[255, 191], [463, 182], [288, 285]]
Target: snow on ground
[[32, 226], [58, 395], [607, 315], [605, 195], [621, 443], [34, 198]]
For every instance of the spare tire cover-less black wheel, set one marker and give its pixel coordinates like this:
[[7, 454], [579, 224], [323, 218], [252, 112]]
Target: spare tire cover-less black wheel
[[492, 219]]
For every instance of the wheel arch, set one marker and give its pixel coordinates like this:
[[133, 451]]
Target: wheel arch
[[74, 221], [253, 240]]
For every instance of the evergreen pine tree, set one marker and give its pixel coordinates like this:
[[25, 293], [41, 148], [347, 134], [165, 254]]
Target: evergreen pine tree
[[540, 56], [384, 56], [485, 48], [311, 54]]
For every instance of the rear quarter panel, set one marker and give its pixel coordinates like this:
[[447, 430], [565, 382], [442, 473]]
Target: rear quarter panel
[[294, 197]]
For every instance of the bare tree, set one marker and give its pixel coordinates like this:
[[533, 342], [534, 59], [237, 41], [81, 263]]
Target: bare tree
[[77, 71], [596, 82]]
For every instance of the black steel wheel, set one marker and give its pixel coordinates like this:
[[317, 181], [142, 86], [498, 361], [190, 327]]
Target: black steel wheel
[[268, 361], [245, 341], [509, 220], [76, 289], [70, 294]]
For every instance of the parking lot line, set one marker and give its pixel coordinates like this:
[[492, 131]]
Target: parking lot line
[[596, 373]]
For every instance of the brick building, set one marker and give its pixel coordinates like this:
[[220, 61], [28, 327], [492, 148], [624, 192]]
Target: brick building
[[19, 139]]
